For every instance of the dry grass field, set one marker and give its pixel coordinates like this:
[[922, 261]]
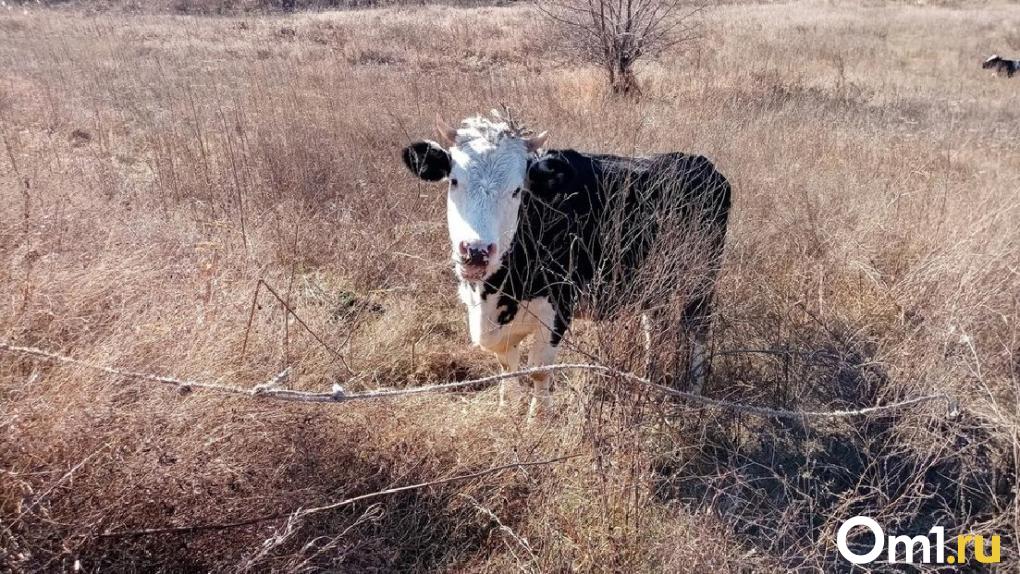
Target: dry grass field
[[155, 167]]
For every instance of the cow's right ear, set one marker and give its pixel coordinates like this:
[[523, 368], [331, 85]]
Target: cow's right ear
[[427, 160], [550, 175]]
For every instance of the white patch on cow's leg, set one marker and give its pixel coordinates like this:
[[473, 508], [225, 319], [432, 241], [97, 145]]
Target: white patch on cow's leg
[[512, 391], [509, 361], [699, 364], [697, 320], [543, 353], [542, 319], [646, 331]]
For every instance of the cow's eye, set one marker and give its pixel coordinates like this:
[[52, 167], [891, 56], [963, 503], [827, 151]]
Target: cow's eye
[[517, 192], [453, 182]]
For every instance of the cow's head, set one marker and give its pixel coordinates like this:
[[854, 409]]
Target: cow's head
[[487, 164], [991, 61]]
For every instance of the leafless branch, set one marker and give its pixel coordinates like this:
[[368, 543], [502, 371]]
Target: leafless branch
[[615, 34]]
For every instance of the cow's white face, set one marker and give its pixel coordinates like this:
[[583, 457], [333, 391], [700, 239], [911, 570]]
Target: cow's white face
[[486, 165], [483, 202]]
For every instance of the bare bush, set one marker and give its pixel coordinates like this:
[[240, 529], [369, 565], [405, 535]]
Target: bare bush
[[615, 34]]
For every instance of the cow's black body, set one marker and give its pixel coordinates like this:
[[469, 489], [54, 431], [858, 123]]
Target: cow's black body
[[578, 237], [1002, 66]]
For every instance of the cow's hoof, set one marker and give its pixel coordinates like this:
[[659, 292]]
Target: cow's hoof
[[513, 409], [540, 409], [513, 398], [516, 407], [697, 382]]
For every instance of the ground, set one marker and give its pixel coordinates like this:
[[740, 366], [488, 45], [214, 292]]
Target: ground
[[155, 167]]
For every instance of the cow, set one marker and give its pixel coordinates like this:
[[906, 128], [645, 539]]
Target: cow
[[1001, 65], [534, 232]]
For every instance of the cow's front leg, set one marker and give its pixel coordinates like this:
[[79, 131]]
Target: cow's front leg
[[510, 390], [697, 317], [543, 353], [650, 329]]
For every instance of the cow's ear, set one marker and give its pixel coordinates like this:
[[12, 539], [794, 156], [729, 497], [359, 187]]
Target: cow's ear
[[427, 160], [549, 175]]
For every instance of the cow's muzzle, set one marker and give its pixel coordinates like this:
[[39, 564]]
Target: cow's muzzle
[[473, 259]]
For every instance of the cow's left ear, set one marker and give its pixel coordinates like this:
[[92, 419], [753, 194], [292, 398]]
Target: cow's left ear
[[427, 160], [549, 175]]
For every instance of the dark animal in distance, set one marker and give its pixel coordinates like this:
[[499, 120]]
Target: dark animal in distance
[[534, 231], [1002, 65]]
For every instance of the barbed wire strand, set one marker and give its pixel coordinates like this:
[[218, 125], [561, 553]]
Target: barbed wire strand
[[340, 395]]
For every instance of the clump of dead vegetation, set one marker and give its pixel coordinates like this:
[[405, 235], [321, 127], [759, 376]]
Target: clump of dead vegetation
[[155, 169], [618, 34]]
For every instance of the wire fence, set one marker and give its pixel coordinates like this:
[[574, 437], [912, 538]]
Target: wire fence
[[271, 389]]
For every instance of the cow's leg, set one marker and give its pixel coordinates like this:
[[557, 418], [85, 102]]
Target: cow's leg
[[551, 323], [646, 331], [543, 353], [697, 324], [510, 390], [649, 331], [506, 346]]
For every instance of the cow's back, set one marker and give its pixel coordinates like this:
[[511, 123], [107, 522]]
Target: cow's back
[[594, 236]]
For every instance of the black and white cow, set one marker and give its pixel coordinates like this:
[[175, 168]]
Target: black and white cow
[[530, 233], [1002, 65]]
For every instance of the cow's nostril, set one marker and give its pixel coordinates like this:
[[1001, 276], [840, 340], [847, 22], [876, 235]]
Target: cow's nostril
[[477, 257], [476, 254]]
